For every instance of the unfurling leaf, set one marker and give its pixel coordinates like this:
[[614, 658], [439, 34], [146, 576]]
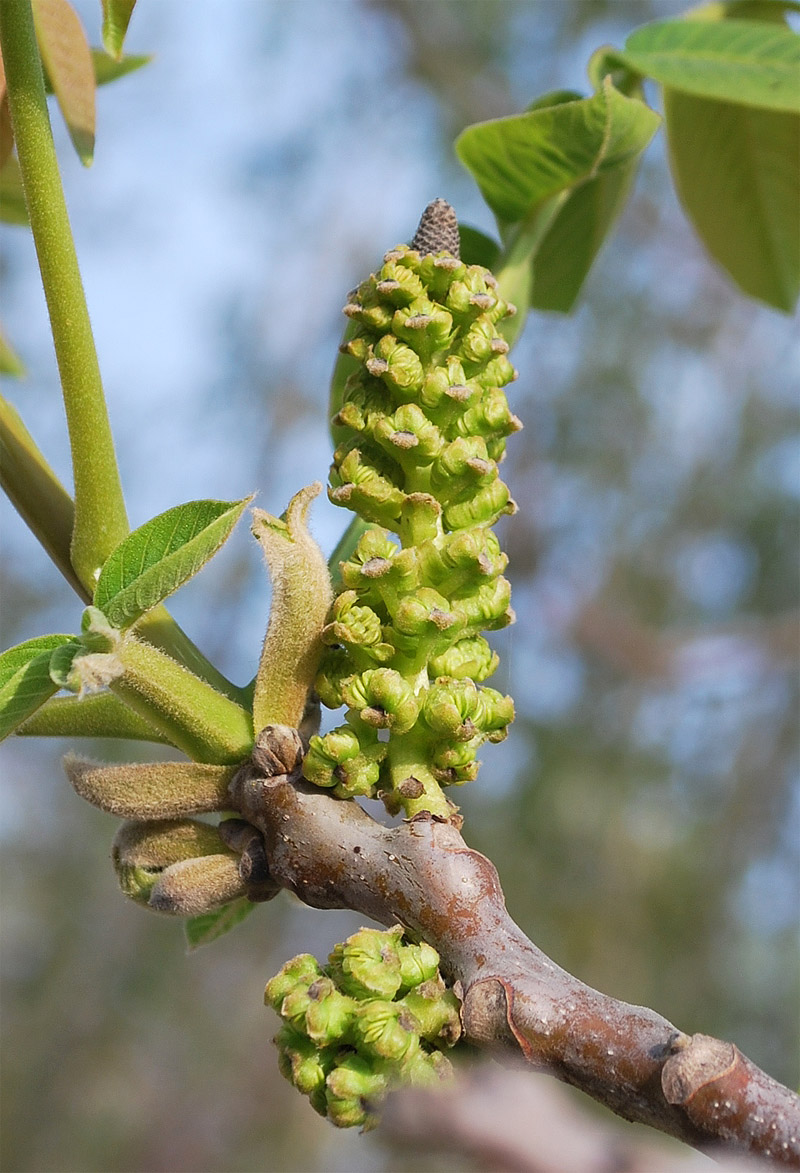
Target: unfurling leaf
[[520, 161], [301, 597], [209, 926]]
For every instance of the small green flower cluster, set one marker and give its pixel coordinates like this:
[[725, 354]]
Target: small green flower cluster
[[376, 1016], [424, 421]]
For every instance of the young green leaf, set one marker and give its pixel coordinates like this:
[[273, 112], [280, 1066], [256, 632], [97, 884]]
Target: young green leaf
[[736, 171], [106, 69], [770, 10], [519, 162], [25, 682], [116, 17], [574, 238], [12, 198], [477, 248], [165, 552], [10, 363], [209, 926], [751, 62], [67, 60]]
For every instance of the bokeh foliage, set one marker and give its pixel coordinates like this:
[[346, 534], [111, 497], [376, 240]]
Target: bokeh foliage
[[641, 816]]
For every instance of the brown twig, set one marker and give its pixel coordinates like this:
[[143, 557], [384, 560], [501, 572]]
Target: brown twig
[[423, 875], [510, 1120]]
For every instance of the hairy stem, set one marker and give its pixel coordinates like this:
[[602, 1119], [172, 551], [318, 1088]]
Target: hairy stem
[[100, 518], [206, 725]]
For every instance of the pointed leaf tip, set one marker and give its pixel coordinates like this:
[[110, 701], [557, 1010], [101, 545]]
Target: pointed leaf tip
[[161, 555], [116, 18]]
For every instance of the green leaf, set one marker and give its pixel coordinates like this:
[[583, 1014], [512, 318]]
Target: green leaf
[[203, 929], [67, 60], [736, 172], [771, 10], [160, 556], [25, 682], [477, 248], [61, 661], [554, 98], [572, 242], [116, 17], [12, 197], [106, 69], [10, 363], [97, 715], [519, 162], [751, 62]]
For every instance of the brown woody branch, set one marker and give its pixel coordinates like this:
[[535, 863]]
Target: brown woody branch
[[422, 874], [509, 1120]]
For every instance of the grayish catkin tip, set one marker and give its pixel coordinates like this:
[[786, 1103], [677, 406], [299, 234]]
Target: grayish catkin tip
[[438, 230]]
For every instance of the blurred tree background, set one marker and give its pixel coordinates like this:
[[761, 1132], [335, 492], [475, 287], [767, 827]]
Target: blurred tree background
[[644, 811]]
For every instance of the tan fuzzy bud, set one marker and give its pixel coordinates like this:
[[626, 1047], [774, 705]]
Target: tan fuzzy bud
[[151, 790], [195, 886]]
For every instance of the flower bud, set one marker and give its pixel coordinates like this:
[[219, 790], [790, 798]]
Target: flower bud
[[387, 1030], [351, 1088], [300, 971], [470, 657], [383, 699], [367, 965], [418, 964], [304, 1064], [436, 1012]]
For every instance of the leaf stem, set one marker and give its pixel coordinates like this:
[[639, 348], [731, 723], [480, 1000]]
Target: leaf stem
[[37, 494], [48, 510], [100, 518], [207, 726]]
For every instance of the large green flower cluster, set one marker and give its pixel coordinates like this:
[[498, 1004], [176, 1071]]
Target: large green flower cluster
[[424, 423], [376, 1016]]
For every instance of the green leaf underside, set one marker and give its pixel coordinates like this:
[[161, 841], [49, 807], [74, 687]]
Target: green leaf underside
[[12, 197], [25, 682], [209, 926], [736, 172], [106, 69], [116, 17], [519, 162], [160, 556], [572, 242], [477, 248], [751, 62]]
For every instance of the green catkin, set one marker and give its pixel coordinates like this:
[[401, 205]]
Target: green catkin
[[423, 423]]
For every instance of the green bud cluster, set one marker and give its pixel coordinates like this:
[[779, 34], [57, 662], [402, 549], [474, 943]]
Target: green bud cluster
[[377, 1015], [423, 424]]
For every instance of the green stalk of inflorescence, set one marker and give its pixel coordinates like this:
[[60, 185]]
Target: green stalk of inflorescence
[[376, 1016], [423, 425]]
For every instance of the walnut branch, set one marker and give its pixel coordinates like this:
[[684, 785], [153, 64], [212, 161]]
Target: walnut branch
[[422, 874]]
